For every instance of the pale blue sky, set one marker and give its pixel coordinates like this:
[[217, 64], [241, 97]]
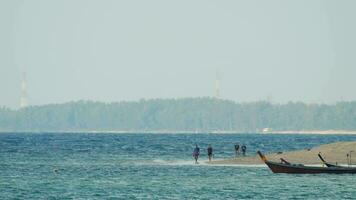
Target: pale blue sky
[[109, 50]]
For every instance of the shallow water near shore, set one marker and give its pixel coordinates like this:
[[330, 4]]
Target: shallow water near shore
[[156, 166]]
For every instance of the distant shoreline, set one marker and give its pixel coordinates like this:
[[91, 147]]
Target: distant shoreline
[[183, 115], [315, 132], [291, 132]]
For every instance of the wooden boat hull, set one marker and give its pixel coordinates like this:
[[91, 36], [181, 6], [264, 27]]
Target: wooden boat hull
[[301, 169]]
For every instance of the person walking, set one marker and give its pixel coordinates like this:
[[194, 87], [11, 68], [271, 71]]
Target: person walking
[[237, 149], [243, 149], [210, 152], [196, 153]]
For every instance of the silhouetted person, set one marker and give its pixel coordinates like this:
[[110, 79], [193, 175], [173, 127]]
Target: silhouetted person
[[243, 149], [237, 149], [210, 152], [196, 153]]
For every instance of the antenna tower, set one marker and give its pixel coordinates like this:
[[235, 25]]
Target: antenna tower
[[23, 99], [217, 85]]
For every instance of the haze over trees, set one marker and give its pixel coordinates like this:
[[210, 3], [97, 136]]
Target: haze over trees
[[189, 114]]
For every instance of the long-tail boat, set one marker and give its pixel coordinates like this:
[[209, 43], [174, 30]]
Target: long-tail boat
[[286, 167], [326, 163]]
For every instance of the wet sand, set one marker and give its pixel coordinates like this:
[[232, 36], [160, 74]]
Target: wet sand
[[332, 153]]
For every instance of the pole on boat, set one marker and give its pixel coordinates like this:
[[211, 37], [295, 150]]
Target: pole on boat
[[348, 160], [350, 157]]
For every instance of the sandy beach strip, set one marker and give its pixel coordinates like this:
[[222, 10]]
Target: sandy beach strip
[[332, 153], [314, 132]]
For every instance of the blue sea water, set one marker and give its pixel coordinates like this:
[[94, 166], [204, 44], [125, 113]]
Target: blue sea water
[[156, 166]]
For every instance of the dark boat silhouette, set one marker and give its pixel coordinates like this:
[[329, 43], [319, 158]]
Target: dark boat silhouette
[[326, 163], [286, 167]]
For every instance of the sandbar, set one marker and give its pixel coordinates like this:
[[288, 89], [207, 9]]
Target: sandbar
[[332, 153]]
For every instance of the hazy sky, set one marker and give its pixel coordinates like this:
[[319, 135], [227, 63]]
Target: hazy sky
[[110, 50]]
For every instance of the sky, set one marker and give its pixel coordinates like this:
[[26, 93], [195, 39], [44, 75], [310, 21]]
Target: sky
[[109, 50]]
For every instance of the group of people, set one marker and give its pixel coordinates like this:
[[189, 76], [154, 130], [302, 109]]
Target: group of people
[[237, 149], [196, 151]]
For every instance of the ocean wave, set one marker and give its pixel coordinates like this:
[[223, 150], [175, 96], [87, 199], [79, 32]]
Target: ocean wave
[[192, 163]]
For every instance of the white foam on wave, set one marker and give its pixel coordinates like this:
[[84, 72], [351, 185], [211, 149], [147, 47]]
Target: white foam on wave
[[176, 162], [192, 163]]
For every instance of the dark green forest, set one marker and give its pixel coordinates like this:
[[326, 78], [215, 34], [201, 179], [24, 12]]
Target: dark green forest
[[188, 114]]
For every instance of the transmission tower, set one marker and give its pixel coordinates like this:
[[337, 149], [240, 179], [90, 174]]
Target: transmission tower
[[23, 99], [217, 85]]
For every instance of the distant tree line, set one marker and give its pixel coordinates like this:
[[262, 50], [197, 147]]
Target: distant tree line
[[189, 114]]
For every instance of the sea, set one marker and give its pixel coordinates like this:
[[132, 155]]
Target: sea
[[157, 166]]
